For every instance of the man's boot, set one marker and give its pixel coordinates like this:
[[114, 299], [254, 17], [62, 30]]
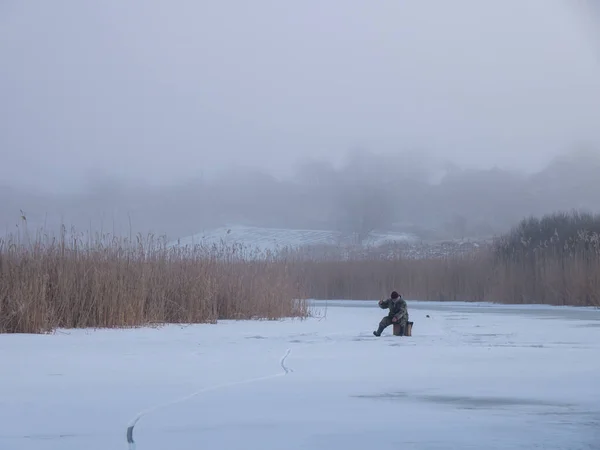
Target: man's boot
[[379, 331]]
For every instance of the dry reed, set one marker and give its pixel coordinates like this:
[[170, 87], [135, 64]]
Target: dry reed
[[541, 274], [77, 281]]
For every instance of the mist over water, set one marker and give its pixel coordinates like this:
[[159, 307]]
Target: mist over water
[[180, 116]]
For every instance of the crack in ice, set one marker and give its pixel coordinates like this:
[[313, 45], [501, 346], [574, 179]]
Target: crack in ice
[[134, 422]]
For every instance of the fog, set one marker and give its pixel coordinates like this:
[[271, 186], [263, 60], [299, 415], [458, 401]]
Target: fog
[[174, 116]]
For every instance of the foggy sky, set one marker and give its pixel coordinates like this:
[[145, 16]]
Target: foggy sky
[[161, 91]]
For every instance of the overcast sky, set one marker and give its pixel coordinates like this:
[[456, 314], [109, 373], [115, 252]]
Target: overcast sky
[[165, 90]]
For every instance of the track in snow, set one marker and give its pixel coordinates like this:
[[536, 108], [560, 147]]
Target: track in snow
[[286, 370]]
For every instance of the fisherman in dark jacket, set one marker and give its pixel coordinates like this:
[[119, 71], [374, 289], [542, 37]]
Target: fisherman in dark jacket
[[398, 313]]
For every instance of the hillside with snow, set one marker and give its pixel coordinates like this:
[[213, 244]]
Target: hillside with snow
[[272, 239]]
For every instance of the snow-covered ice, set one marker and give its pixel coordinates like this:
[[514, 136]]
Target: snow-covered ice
[[470, 377]]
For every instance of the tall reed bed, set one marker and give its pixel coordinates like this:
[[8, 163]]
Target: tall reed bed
[[76, 281], [540, 277], [554, 260]]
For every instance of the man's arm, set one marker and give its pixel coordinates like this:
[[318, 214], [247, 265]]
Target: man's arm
[[383, 304]]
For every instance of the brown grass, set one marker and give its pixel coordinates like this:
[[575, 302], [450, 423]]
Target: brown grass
[[74, 281], [567, 276]]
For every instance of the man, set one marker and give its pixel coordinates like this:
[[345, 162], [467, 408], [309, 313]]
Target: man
[[398, 313]]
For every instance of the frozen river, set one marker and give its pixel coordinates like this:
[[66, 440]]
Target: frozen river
[[472, 376]]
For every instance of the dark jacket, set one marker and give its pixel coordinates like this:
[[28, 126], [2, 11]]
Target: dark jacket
[[397, 307]]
